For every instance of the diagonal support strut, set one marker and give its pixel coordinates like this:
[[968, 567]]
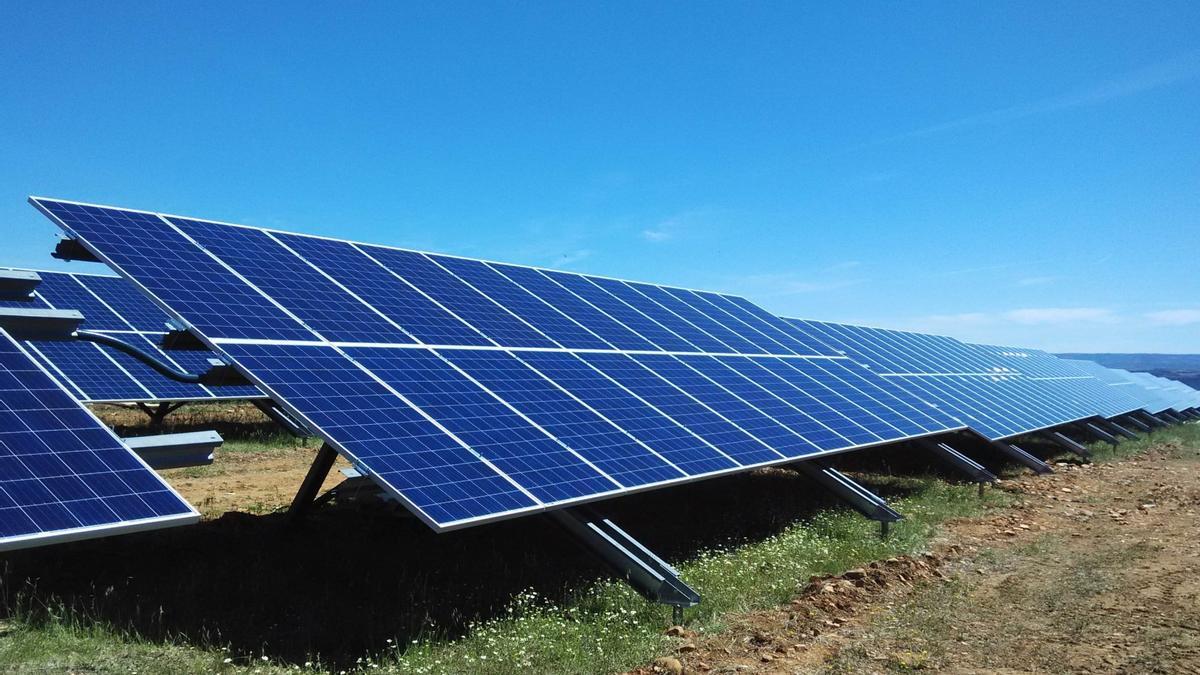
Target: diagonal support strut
[[648, 574]]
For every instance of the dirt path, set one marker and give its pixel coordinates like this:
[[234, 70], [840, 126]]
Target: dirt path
[[1096, 569]]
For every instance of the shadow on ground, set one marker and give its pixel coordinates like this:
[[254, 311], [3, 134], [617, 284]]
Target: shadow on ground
[[347, 578]]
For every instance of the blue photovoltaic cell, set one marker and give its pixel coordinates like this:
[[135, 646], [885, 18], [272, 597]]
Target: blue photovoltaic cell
[[90, 369], [679, 446], [551, 322], [465, 302], [795, 392], [197, 361], [386, 292], [595, 438], [126, 300], [606, 302], [828, 391], [742, 307], [723, 309], [440, 478], [697, 338], [62, 291], [62, 474], [33, 302], [731, 340], [575, 307], [755, 422], [146, 248], [756, 333], [781, 409], [912, 413], [548, 469], [303, 291], [684, 409], [94, 373], [160, 387]]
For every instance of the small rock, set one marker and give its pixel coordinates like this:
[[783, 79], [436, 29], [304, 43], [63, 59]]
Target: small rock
[[676, 631], [669, 665], [856, 573], [687, 647], [767, 658]]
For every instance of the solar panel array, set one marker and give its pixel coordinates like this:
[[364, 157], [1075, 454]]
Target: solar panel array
[[998, 391], [96, 374], [474, 390], [64, 475]]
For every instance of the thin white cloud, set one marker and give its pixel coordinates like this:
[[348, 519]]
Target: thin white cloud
[[1182, 68], [1036, 281], [691, 223], [1174, 317], [963, 319], [785, 284], [1048, 315], [1024, 316]]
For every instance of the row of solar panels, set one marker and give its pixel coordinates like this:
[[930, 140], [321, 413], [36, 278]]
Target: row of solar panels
[[95, 374], [472, 391], [113, 306]]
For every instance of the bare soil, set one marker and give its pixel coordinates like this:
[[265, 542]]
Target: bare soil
[[1097, 569]]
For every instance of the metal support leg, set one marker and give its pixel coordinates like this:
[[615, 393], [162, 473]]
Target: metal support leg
[[1153, 420], [1103, 435], [648, 574], [1022, 457], [1066, 443], [1120, 430], [958, 460], [1171, 416], [1133, 420], [321, 465], [159, 411], [280, 417], [856, 496]]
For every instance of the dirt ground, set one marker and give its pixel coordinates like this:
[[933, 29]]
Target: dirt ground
[[1096, 569], [249, 483]]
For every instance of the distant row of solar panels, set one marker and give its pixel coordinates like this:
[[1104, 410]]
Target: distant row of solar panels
[[97, 374], [998, 391]]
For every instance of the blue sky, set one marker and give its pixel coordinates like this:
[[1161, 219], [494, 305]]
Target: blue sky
[[1018, 173]]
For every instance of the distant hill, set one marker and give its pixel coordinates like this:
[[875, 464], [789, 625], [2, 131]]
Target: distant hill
[[1182, 367]]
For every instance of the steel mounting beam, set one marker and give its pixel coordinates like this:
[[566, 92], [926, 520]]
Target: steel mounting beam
[[651, 576]]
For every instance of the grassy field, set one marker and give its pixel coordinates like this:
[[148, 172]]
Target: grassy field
[[357, 589]]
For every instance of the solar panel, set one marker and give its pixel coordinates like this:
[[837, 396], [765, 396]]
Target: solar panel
[[998, 391], [474, 391], [64, 475], [95, 374], [1123, 382], [1073, 387]]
